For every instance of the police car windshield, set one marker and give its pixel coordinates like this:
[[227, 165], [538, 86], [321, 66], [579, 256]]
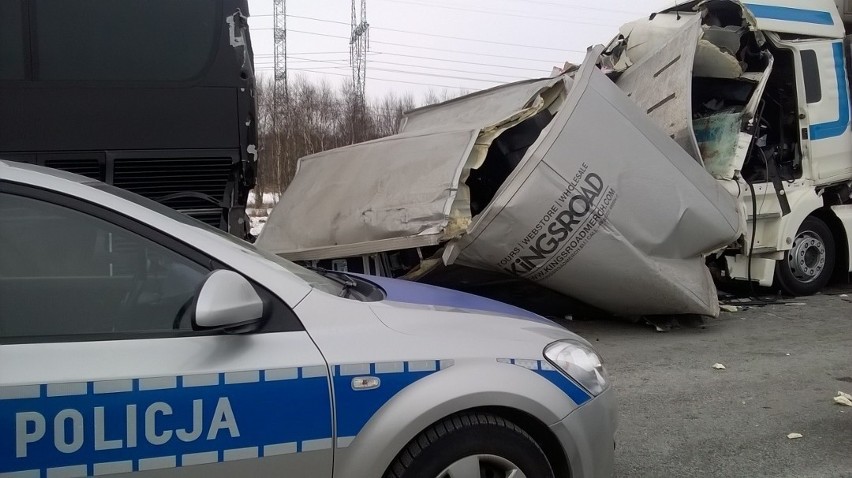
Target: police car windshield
[[314, 279]]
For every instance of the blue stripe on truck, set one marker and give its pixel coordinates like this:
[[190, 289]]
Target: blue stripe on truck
[[789, 14], [838, 127]]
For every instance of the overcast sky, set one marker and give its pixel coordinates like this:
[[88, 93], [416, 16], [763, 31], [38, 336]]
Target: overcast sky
[[418, 45]]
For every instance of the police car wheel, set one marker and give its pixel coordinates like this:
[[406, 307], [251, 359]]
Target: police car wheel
[[471, 445]]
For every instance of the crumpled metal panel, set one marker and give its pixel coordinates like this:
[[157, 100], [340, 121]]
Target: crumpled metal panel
[[603, 207], [400, 186], [608, 209], [661, 84], [486, 108]]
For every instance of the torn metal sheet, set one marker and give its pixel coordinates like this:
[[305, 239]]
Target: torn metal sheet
[[403, 191], [390, 193], [661, 82], [489, 108], [578, 215], [684, 69], [562, 181]]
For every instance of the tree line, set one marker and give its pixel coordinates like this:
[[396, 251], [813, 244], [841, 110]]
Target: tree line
[[314, 117]]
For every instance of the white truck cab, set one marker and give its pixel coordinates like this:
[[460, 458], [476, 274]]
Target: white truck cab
[[770, 118]]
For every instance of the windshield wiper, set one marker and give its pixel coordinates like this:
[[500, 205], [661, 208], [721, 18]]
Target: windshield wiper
[[344, 280]]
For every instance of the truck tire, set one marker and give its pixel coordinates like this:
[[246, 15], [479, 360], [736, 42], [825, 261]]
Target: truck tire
[[808, 265], [471, 445]]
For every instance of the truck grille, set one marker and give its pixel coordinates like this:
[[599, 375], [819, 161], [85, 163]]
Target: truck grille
[[156, 178], [89, 167]]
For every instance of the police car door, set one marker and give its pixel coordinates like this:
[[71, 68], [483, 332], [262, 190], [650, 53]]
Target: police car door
[[99, 375]]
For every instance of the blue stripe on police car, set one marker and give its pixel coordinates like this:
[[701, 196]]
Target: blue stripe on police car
[[137, 424]]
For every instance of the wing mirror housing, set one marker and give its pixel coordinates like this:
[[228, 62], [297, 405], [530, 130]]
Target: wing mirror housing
[[227, 301]]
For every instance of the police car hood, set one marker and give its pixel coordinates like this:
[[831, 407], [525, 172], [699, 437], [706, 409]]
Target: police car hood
[[460, 313]]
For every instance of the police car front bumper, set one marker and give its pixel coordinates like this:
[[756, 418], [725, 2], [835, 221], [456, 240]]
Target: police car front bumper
[[588, 436]]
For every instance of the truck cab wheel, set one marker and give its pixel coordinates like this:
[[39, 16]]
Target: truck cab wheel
[[471, 445], [808, 265]]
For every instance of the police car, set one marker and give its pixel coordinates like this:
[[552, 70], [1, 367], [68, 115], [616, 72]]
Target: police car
[[135, 339]]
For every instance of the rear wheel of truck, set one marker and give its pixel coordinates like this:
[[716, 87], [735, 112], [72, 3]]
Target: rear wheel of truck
[[808, 265]]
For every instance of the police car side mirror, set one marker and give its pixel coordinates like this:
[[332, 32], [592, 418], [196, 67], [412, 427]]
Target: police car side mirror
[[226, 301]]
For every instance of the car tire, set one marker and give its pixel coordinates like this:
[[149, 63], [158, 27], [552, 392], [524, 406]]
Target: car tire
[[808, 265], [471, 445]]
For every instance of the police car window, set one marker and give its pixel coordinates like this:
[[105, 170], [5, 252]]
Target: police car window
[[63, 272]]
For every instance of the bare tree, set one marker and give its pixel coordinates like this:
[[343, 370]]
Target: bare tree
[[315, 118]]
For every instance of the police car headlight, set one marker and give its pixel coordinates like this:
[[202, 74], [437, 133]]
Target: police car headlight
[[580, 362]]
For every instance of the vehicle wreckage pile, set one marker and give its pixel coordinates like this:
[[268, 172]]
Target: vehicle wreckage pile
[[610, 182]]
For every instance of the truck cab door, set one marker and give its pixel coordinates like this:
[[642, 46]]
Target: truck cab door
[[824, 94]]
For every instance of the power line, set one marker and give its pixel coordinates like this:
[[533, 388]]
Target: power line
[[491, 42], [332, 62], [465, 52], [382, 79], [340, 62], [434, 34], [436, 75], [448, 69], [420, 57], [308, 53], [503, 14], [440, 36], [608, 10], [462, 52], [340, 67]]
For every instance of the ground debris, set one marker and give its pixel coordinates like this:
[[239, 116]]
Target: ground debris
[[843, 399], [793, 436], [718, 366], [729, 308]]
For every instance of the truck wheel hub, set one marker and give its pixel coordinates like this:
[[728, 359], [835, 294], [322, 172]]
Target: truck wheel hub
[[806, 259]]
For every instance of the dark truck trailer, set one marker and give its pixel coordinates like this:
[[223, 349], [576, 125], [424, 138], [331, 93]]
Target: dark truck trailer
[[153, 96]]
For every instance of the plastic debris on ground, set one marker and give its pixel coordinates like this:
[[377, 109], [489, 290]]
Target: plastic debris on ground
[[718, 366], [793, 436], [729, 308], [843, 399]]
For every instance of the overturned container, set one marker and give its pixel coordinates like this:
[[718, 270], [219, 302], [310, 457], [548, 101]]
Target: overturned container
[[564, 181]]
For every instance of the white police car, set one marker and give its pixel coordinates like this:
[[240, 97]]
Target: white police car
[[133, 339]]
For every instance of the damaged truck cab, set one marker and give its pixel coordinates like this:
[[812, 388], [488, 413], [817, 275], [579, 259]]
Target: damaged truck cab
[[766, 101]]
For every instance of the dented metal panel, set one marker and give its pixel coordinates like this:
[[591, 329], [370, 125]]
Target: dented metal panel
[[490, 107], [581, 214], [603, 206], [661, 83], [395, 187]]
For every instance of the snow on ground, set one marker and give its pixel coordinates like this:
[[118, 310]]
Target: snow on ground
[[259, 213]]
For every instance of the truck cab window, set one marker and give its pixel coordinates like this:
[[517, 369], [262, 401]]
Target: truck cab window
[[810, 73]]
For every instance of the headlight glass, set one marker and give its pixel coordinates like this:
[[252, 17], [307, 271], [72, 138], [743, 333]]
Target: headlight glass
[[580, 362]]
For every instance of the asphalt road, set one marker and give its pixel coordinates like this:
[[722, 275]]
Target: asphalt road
[[678, 417]]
